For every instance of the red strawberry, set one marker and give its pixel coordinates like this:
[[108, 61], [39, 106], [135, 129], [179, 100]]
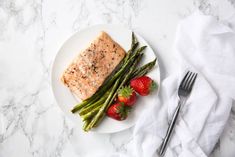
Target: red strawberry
[[118, 111], [143, 85], [127, 95]]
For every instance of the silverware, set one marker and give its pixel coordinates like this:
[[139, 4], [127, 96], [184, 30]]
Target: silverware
[[184, 91]]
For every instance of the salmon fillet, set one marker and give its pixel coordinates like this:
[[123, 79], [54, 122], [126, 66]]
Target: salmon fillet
[[91, 67]]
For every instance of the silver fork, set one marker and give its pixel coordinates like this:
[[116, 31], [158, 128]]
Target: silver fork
[[184, 91]]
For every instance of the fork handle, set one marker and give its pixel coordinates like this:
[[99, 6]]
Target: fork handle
[[170, 130]]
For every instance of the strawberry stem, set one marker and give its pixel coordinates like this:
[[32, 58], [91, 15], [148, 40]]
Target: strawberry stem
[[153, 86]]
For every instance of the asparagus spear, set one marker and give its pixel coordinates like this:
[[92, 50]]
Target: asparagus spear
[[91, 114], [79, 106], [85, 124], [88, 108], [133, 39], [144, 69], [134, 44], [84, 103]]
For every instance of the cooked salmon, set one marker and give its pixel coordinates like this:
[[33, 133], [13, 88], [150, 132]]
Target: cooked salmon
[[91, 67]]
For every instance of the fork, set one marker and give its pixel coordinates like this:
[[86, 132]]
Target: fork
[[184, 91]]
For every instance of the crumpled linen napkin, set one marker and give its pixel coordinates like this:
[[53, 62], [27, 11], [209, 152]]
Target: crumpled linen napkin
[[205, 46]]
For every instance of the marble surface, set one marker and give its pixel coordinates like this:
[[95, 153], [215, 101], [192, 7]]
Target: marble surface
[[32, 31]]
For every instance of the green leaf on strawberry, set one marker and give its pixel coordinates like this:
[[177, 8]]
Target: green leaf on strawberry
[[127, 95], [118, 111]]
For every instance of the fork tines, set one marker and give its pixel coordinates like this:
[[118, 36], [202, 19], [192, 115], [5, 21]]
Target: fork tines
[[188, 81]]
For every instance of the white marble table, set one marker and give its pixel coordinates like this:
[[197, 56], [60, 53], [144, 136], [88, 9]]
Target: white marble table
[[31, 32]]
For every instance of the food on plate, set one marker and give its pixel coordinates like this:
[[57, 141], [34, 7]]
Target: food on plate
[[143, 85], [94, 108], [118, 111], [90, 68], [127, 95]]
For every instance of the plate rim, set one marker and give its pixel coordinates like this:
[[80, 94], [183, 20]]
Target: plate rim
[[82, 30]]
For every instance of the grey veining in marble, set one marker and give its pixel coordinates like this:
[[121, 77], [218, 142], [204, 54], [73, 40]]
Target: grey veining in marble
[[32, 31]]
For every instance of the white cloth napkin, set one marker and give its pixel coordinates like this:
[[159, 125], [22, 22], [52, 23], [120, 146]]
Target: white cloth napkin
[[205, 46]]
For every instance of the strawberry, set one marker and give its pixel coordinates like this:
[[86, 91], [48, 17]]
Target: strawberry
[[143, 85], [118, 111], [127, 95]]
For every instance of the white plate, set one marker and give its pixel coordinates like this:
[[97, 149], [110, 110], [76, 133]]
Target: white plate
[[72, 47]]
